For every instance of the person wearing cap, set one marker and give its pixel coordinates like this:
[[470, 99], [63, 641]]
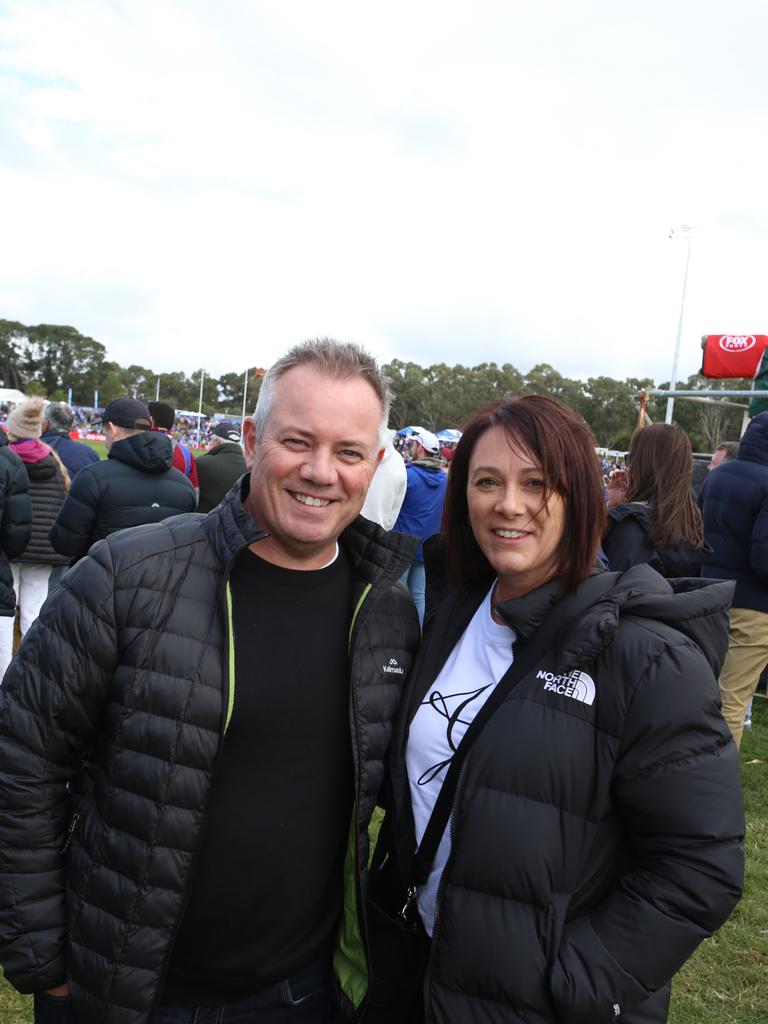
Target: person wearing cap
[[222, 466], [58, 420], [163, 417], [136, 484], [422, 506], [48, 484]]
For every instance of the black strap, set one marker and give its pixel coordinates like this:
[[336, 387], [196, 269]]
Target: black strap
[[528, 657]]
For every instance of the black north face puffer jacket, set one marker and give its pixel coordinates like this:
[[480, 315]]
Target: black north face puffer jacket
[[597, 826], [121, 690]]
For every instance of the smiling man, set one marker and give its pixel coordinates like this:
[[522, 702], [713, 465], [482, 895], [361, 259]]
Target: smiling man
[[201, 713]]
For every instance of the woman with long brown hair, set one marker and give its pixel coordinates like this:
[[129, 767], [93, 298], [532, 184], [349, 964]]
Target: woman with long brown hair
[[652, 516], [565, 814]]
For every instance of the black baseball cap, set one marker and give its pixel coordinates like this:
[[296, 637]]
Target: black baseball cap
[[127, 412], [227, 430]]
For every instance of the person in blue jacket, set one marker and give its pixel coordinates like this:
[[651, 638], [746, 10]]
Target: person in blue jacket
[[58, 421], [422, 507]]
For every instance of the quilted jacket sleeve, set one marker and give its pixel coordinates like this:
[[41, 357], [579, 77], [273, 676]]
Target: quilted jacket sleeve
[[758, 555], [678, 793], [50, 707], [17, 511], [73, 528]]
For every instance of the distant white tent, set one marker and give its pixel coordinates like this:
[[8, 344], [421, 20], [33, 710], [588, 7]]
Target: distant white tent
[[12, 395]]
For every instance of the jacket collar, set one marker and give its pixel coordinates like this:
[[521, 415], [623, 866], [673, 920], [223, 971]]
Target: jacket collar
[[525, 614], [148, 451], [228, 527], [377, 556]]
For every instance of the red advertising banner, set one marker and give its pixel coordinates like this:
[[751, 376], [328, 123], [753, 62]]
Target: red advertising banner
[[733, 355]]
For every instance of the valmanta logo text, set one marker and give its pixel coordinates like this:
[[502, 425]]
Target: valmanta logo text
[[577, 685]]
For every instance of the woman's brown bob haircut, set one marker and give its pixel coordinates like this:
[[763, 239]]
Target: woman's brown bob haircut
[[561, 443]]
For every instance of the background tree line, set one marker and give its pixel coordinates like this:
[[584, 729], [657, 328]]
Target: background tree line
[[443, 396], [50, 359]]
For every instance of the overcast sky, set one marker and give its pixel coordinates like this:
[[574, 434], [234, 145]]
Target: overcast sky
[[203, 184]]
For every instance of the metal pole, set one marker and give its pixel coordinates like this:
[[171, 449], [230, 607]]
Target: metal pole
[[673, 382], [706, 393], [200, 410], [157, 390], [245, 399], [69, 396]]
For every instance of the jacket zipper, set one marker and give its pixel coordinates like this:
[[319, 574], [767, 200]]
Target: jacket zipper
[[356, 741], [69, 835], [440, 887], [227, 693]]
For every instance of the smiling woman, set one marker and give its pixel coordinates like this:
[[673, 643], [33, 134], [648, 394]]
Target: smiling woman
[[543, 478], [566, 721]]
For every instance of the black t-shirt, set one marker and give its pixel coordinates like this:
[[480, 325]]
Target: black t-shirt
[[266, 891]]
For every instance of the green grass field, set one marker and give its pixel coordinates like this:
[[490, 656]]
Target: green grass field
[[101, 449], [726, 981]]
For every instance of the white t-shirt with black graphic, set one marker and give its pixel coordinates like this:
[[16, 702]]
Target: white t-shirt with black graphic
[[469, 676]]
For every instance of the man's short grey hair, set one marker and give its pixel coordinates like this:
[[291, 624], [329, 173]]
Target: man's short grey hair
[[731, 449], [339, 359], [59, 415]]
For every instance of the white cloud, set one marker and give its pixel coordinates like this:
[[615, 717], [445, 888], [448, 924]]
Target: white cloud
[[203, 186]]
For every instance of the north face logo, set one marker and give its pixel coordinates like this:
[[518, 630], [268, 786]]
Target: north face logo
[[577, 685], [393, 667]]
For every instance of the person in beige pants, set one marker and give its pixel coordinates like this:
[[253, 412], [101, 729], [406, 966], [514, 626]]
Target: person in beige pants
[[734, 505], [744, 664]]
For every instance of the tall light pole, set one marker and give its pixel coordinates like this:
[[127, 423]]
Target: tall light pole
[[245, 399], [684, 231], [200, 409]]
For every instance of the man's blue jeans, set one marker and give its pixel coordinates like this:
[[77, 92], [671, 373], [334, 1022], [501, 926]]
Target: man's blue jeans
[[303, 999]]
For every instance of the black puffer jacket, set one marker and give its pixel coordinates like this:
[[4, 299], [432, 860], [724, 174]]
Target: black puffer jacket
[[734, 504], [597, 829], [15, 519], [626, 544], [121, 689], [136, 484], [47, 491]]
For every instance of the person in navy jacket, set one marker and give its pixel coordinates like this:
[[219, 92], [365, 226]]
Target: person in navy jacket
[[734, 504], [58, 420]]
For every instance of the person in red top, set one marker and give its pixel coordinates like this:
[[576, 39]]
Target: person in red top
[[163, 417]]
